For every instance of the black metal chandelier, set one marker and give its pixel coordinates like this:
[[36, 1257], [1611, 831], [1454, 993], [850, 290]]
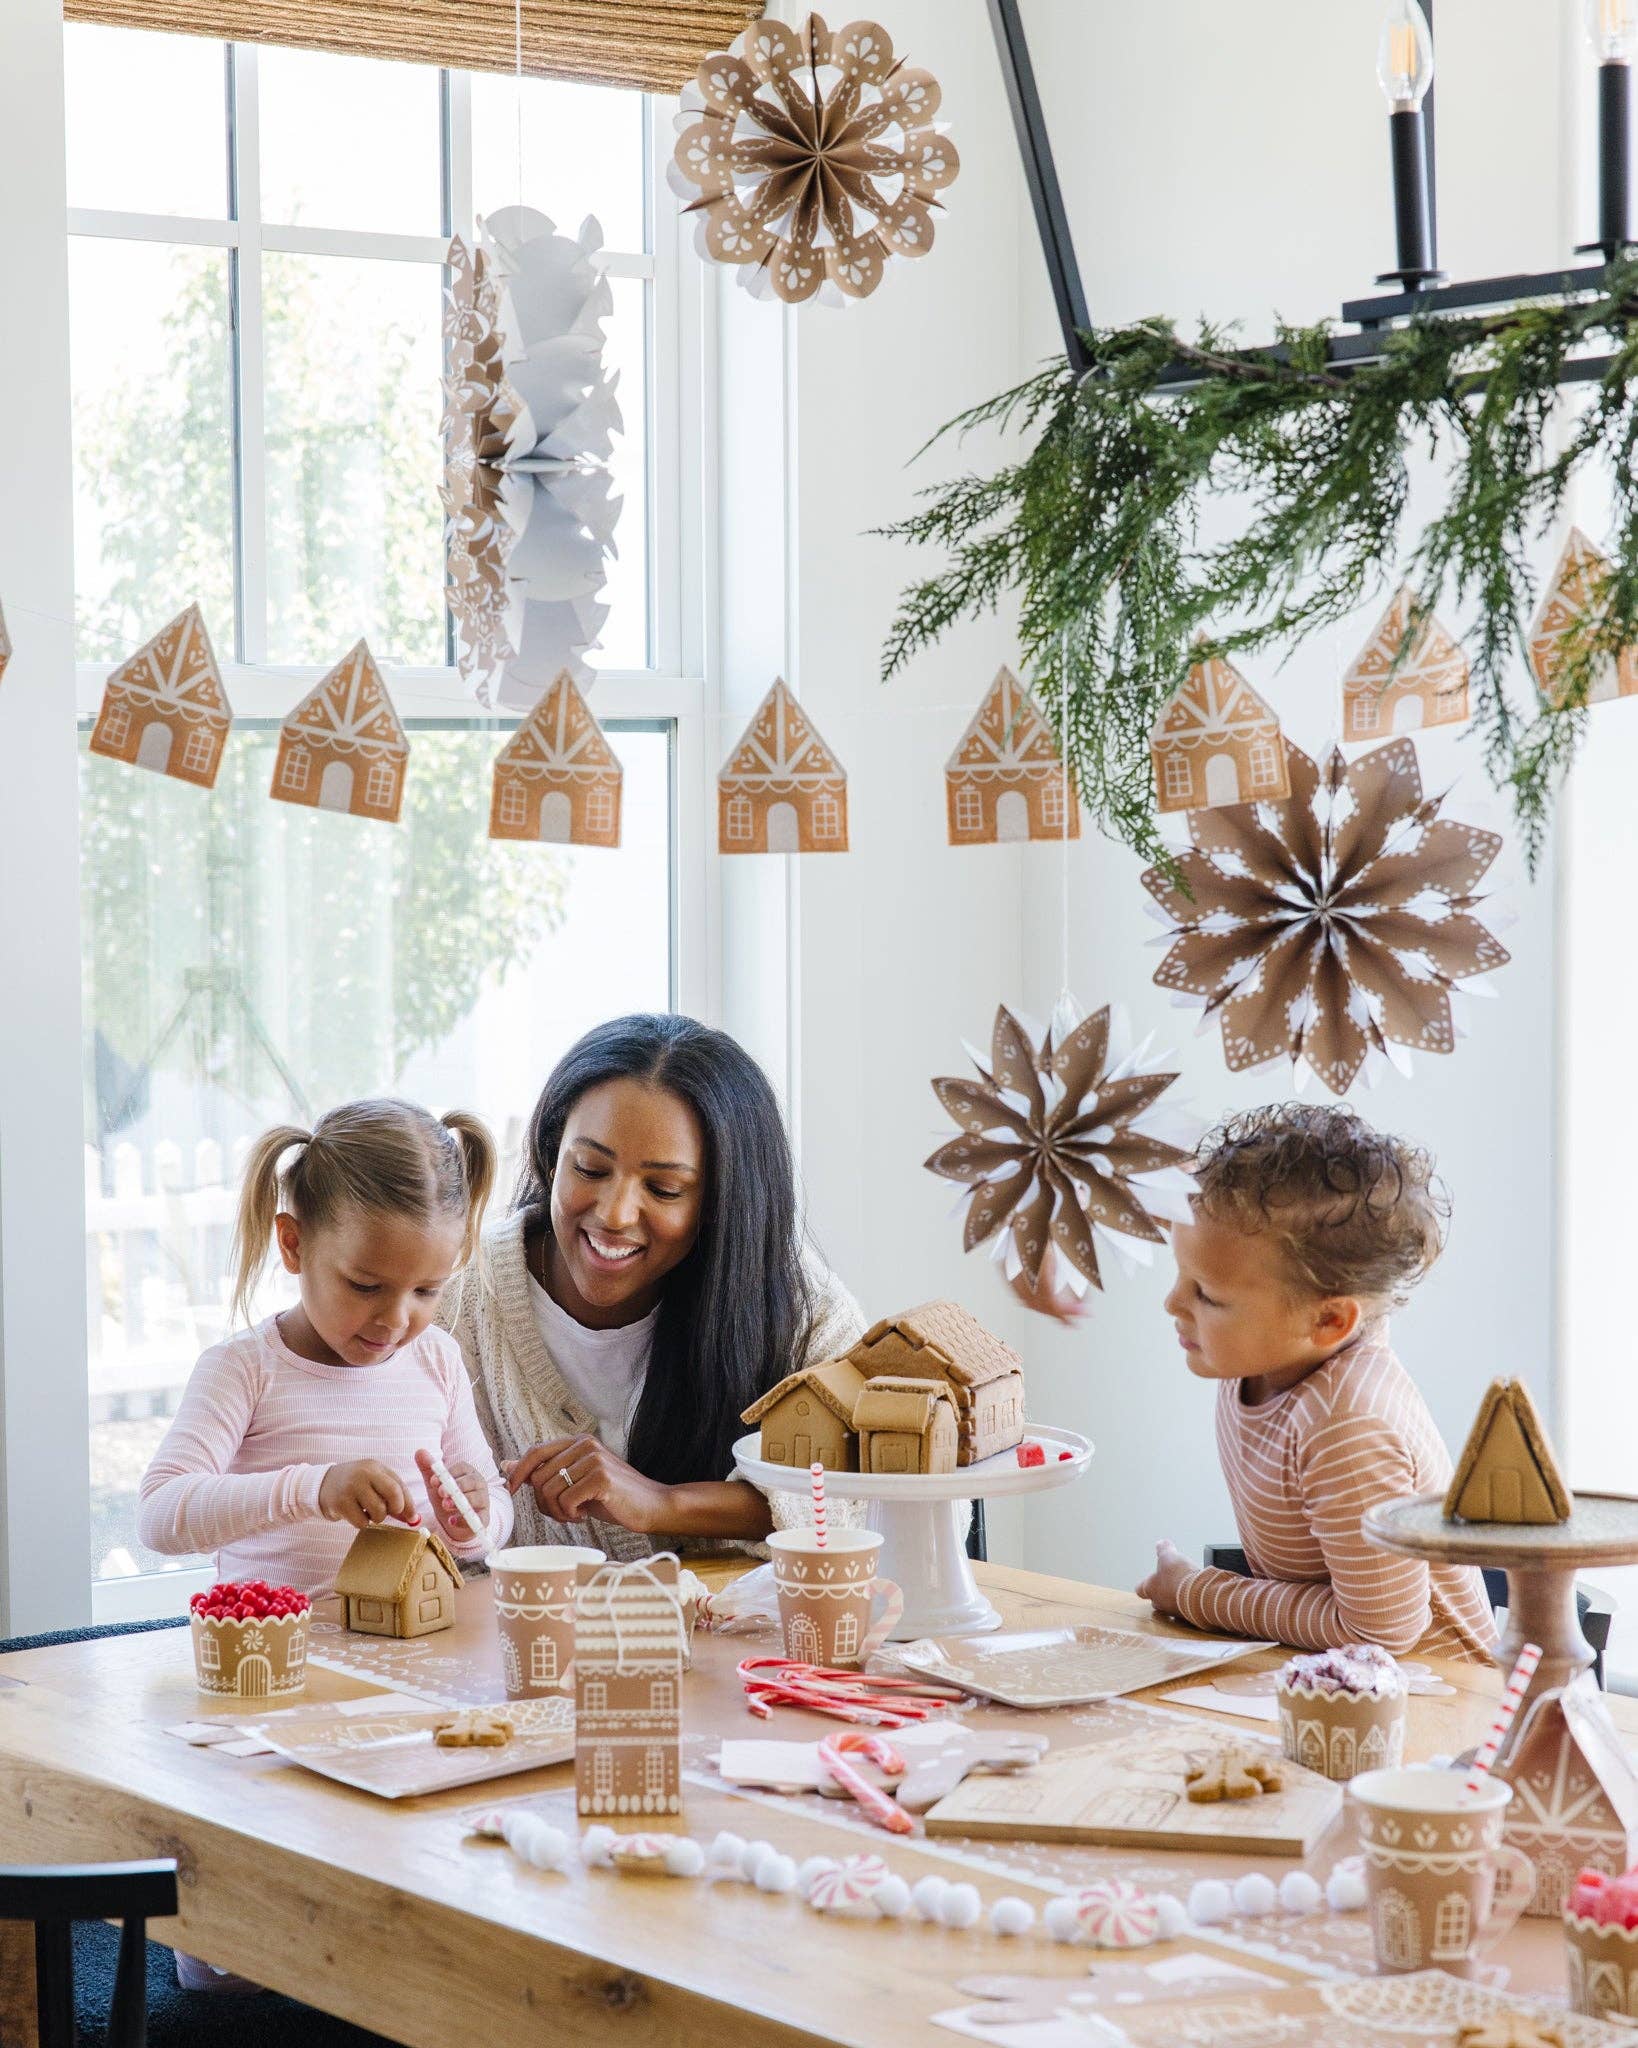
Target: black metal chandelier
[[1405, 67]]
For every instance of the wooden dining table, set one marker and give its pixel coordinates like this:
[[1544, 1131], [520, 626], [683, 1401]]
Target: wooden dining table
[[393, 1915]]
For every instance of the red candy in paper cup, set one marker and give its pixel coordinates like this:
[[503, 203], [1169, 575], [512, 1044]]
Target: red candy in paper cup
[[1601, 1945]]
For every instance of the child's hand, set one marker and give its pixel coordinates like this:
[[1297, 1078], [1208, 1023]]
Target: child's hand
[[1053, 1296], [450, 1519], [1162, 1585], [365, 1493]]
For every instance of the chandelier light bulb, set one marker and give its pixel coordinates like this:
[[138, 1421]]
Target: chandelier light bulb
[[1404, 61], [1612, 29]]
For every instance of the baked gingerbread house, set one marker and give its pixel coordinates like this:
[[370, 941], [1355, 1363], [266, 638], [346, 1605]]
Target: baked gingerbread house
[[1217, 743], [165, 708], [1507, 1471], [906, 1425], [782, 789], [557, 778], [396, 1581], [630, 1641], [342, 748], [808, 1418], [940, 1342], [1430, 685], [1005, 780], [1571, 605], [1575, 1792]]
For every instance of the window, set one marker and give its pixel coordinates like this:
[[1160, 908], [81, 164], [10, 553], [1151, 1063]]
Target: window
[[654, 1772], [595, 1696], [256, 265], [662, 1696], [1265, 769], [969, 809], [1052, 805], [196, 755], [827, 817], [116, 727], [600, 809], [603, 1772], [739, 817], [542, 1661], [1179, 776], [1366, 707]]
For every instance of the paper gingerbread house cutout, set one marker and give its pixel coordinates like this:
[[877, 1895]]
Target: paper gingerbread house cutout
[[782, 789], [557, 778], [1431, 686], [941, 1342], [1217, 743], [629, 1647], [1507, 1471], [165, 708], [5, 643], [808, 1418], [1005, 781], [906, 1425], [398, 1582], [1575, 1792], [1576, 595], [342, 748]]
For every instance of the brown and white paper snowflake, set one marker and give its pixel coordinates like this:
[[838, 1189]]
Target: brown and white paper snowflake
[[812, 158], [1333, 927], [1060, 1144]]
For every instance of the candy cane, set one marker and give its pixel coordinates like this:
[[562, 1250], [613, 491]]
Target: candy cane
[[833, 1762], [884, 1702], [1517, 1686], [816, 1472]]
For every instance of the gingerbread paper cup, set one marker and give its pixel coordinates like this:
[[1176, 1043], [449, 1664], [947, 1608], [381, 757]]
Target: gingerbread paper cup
[[826, 1594], [1601, 1961], [1442, 1887], [251, 1660], [534, 1605], [1340, 1734]]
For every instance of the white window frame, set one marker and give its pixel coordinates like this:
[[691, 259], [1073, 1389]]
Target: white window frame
[[682, 552]]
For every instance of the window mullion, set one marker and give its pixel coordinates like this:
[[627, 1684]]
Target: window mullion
[[250, 356], [458, 154]]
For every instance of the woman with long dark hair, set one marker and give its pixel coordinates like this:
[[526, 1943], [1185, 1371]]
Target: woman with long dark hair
[[649, 1284]]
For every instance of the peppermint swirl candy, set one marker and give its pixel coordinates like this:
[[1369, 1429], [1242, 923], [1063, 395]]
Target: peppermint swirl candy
[[1115, 1914], [851, 1884]]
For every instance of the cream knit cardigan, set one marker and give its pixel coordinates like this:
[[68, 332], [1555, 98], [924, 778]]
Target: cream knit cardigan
[[522, 1398]]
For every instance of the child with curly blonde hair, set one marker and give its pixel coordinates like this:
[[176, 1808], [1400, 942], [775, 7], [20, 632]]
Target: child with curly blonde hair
[[1309, 1227]]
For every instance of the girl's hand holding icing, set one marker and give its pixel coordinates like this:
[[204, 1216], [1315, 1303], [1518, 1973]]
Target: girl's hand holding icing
[[365, 1493], [472, 1483], [574, 1476]]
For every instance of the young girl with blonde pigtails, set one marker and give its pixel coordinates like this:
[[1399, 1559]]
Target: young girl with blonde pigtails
[[321, 1420]]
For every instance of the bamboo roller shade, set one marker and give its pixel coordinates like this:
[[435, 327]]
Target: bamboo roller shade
[[654, 45]]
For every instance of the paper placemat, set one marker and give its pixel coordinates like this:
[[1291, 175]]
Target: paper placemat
[[392, 1752], [1067, 1667]]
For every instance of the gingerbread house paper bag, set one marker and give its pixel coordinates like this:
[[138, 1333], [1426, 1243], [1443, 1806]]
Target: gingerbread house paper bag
[[1429, 687], [782, 790], [1217, 743], [1005, 780], [342, 748], [1575, 1792], [629, 1648], [5, 643], [557, 778], [1572, 602], [166, 709]]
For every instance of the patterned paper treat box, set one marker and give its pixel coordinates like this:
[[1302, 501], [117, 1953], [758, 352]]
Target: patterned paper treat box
[[254, 1647]]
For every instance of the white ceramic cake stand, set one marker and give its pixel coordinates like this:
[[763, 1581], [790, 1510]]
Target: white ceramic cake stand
[[922, 1517]]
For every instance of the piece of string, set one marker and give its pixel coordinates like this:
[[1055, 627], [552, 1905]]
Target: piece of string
[[608, 1580]]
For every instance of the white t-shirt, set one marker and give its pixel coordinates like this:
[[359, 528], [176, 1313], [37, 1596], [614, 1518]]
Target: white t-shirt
[[603, 1369]]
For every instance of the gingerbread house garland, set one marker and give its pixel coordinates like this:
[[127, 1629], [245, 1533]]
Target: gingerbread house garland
[[342, 748], [1571, 604], [1006, 780], [1430, 686], [1575, 1792], [557, 778], [1217, 743], [630, 1645], [782, 790], [165, 708]]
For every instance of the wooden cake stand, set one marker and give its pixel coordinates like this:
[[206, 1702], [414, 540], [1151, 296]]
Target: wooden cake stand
[[1540, 1561]]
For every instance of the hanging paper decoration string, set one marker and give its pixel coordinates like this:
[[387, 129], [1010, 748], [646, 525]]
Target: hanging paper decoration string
[[165, 708], [557, 778], [342, 748], [1395, 688], [1334, 928], [1061, 1147], [810, 159], [529, 416]]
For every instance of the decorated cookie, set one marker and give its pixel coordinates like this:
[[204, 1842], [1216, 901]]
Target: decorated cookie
[[480, 1728], [1234, 1774], [1509, 2030]]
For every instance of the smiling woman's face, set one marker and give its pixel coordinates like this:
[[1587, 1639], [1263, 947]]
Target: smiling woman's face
[[626, 1200]]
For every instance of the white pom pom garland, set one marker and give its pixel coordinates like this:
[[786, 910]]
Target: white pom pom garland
[[1012, 1917], [961, 1907], [595, 1845], [726, 1851], [775, 1873], [1300, 1893], [1210, 1901], [1061, 1920], [1171, 1916], [806, 1872], [927, 1894], [1255, 1895], [1345, 1887], [892, 1899]]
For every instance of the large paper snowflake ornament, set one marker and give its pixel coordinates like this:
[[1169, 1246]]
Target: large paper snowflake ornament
[[811, 158], [1333, 928], [1063, 1145]]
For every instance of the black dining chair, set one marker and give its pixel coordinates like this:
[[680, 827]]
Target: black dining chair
[[52, 1898]]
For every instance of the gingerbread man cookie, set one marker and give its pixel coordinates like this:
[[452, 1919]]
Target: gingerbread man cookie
[[1509, 2030], [1234, 1774], [478, 1729]]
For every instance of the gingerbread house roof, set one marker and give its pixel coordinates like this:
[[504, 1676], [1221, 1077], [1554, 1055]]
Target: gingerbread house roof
[[1214, 704], [560, 740], [382, 1562], [176, 672], [781, 751], [968, 1354], [629, 1616], [350, 711], [1007, 737], [1574, 594], [1508, 1434], [836, 1381], [892, 1403], [1435, 666], [1569, 1768]]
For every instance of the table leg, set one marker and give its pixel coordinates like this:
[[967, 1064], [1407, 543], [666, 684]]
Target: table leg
[[18, 2028], [1541, 1609]]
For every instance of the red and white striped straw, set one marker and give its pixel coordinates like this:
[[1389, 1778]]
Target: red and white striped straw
[[1512, 1698], [817, 1473]]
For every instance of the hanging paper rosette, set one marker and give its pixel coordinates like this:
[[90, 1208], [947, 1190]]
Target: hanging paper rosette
[[529, 415]]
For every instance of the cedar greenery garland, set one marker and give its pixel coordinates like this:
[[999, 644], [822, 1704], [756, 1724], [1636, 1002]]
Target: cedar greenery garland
[[1098, 526]]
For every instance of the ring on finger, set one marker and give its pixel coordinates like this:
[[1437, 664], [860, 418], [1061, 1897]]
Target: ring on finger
[[565, 1475]]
